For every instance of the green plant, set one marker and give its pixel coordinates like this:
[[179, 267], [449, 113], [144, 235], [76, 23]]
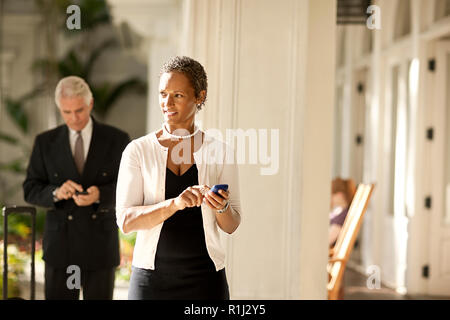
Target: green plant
[[81, 59], [93, 14], [127, 242], [16, 262], [106, 93], [16, 110], [128, 238], [20, 225]]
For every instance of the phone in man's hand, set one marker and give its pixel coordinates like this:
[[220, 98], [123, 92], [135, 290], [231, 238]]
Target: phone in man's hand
[[83, 193]]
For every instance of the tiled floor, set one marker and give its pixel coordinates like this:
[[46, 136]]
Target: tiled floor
[[356, 289], [120, 287]]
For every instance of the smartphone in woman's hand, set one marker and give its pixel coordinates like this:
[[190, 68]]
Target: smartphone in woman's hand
[[218, 187]]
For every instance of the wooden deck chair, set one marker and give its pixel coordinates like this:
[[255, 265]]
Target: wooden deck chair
[[340, 253]]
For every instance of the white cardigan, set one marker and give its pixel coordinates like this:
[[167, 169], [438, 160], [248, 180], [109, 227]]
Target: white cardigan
[[141, 182]]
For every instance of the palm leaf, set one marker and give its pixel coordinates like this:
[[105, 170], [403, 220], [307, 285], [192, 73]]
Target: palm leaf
[[100, 93], [15, 166], [16, 110], [107, 95], [124, 86], [71, 65], [8, 138], [93, 14], [33, 93], [96, 54], [40, 64]]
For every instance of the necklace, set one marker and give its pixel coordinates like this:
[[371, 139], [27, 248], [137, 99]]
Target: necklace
[[173, 136]]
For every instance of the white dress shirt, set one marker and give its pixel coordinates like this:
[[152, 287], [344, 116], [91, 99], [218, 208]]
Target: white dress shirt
[[86, 134], [141, 182]]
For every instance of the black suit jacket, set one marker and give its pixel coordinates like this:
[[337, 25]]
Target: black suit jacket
[[83, 236]]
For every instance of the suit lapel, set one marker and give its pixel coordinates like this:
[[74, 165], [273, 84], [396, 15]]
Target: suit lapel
[[96, 154]]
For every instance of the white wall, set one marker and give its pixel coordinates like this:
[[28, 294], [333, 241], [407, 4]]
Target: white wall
[[270, 65]]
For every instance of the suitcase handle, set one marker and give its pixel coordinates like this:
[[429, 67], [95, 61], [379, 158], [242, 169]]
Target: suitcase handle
[[7, 211]]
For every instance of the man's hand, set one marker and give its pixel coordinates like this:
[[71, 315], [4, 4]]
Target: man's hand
[[86, 200], [67, 190]]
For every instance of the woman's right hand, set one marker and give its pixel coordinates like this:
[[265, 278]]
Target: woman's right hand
[[190, 197]]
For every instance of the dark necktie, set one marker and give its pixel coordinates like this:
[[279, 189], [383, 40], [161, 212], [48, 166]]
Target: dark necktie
[[79, 153]]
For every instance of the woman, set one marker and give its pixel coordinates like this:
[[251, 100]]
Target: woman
[[342, 192], [163, 194]]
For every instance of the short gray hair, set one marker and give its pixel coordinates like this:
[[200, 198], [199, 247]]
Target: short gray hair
[[193, 70], [72, 86]]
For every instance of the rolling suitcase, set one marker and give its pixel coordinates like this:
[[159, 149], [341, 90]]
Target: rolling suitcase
[[7, 211]]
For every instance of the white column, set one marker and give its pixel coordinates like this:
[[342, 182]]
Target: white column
[[347, 102], [419, 234], [270, 65], [317, 131], [372, 224]]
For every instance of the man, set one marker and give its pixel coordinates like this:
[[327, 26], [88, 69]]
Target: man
[[80, 229]]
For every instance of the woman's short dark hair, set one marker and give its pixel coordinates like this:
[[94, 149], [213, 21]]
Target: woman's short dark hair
[[193, 70]]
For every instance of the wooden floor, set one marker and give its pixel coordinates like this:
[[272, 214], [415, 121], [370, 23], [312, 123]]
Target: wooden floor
[[356, 289]]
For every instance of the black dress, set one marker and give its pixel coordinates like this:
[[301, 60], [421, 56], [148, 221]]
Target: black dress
[[183, 268]]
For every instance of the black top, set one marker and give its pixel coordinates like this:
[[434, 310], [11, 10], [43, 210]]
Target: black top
[[181, 246], [339, 219]]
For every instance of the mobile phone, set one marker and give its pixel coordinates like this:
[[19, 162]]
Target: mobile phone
[[218, 187], [84, 193]]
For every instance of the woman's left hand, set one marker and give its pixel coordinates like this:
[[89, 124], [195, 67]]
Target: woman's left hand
[[215, 201]]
